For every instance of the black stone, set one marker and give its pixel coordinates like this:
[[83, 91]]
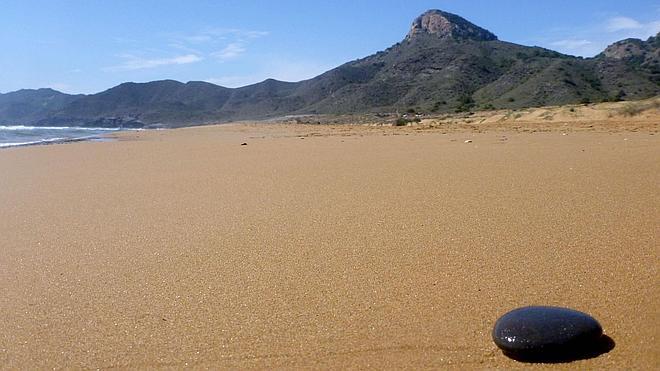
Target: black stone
[[550, 334]]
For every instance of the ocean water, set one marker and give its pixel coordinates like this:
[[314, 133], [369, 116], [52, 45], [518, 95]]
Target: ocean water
[[18, 135]]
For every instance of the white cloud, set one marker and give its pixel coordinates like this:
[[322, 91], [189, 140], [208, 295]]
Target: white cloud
[[198, 39], [230, 51], [185, 48], [218, 35], [219, 43], [296, 70], [132, 62], [592, 40], [278, 69], [629, 27], [652, 28], [571, 44], [576, 46], [623, 23], [252, 34]]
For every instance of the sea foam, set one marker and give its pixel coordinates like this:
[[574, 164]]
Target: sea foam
[[23, 135], [22, 127]]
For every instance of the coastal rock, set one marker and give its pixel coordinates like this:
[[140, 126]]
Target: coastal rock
[[540, 333]]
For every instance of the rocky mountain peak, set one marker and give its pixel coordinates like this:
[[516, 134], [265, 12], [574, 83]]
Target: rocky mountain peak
[[625, 49], [448, 25]]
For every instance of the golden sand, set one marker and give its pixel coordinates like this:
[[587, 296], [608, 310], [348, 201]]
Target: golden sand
[[323, 247]]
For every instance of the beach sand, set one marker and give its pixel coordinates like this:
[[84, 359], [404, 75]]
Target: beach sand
[[323, 246]]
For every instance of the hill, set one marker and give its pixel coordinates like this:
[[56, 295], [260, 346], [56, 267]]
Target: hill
[[444, 64], [30, 105]]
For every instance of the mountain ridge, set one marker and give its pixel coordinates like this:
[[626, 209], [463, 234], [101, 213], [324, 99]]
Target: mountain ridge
[[444, 64]]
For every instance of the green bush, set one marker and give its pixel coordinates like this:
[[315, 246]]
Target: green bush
[[465, 104], [619, 96], [401, 122], [436, 105]]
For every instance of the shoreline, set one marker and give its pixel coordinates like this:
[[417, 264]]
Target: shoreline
[[46, 142], [625, 116], [98, 137]]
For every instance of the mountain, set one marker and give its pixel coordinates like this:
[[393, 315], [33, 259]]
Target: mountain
[[30, 105], [643, 56], [445, 25], [133, 105], [444, 64]]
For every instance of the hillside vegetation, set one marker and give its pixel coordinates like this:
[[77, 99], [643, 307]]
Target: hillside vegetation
[[444, 65]]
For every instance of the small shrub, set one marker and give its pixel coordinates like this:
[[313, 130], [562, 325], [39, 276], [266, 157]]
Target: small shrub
[[401, 122], [465, 104], [634, 109], [620, 96], [436, 105]]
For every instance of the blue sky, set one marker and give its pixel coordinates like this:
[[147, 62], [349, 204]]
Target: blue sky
[[86, 46]]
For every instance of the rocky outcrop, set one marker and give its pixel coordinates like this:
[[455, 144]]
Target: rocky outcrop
[[643, 56], [448, 25], [626, 49]]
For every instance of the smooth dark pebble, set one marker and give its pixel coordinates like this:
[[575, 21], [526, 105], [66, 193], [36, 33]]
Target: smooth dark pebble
[[244, 144], [546, 334]]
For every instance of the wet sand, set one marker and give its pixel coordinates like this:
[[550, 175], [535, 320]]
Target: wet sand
[[323, 247]]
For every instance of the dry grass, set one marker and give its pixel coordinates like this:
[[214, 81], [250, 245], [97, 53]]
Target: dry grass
[[631, 109], [603, 117]]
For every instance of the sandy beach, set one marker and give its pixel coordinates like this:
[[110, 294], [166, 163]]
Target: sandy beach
[[321, 246]]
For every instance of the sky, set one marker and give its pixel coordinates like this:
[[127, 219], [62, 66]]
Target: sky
[[87, 46]]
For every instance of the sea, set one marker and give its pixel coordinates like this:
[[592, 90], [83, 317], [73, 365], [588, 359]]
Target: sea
[[19, 135]]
